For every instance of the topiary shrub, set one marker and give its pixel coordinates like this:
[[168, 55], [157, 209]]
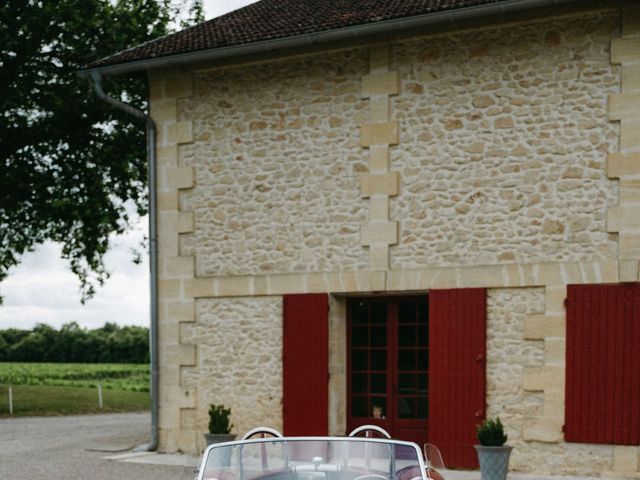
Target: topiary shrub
[[490, 433], [219, 419]]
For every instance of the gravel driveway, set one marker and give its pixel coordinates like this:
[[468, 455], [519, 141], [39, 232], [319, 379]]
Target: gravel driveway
[[72, 448]]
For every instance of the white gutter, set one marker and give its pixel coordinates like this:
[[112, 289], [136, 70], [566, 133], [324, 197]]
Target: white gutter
[[346, 33]]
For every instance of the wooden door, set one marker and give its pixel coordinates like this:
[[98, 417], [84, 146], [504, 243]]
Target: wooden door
[[388, 340]]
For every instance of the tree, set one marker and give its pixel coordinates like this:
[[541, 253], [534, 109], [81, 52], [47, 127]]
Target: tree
[[69, 163]]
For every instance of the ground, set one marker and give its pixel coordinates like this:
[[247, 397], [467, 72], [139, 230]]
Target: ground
[[74, 447]]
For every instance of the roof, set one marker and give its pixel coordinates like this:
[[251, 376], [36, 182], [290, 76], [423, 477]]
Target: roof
[[278, 19]]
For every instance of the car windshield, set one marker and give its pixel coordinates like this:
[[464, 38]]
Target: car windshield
[[319, 458]]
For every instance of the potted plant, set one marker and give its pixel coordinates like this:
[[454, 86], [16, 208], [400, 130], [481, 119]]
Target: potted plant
[[219, 426], [492, 451]]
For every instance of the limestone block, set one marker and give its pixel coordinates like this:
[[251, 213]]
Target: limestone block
[[555, 297], [177, 267], [181, 354], [379, 232], [629, 271], [164, 111], [545, 432], [379, 162], [629, 191], [156, 89], [624, 105], [625, 459], [168, 244], [180, 132], [483, 276], [379, 134], [178, 397], [169, 418], [379, 257], [181, 311], [199, 287], [186, 440], [379, 58], [185, 222], [379, 208], [387, 83], [538, 327], [378, 281], [536, 379], [629, 245], [386, 184], [554, 351], [625, 50], [630, 78], [179, 177], [179, 87], [629, 134], [609, 272], [379, 109], [553, 410], [167, 155], [623, 165], [278, 284], [169, 289], [623, 217], [167, 200]]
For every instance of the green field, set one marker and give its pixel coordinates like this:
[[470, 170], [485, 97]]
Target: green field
[[70, 388]]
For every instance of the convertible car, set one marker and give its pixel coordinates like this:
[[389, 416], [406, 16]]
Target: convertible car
[[264, 454]]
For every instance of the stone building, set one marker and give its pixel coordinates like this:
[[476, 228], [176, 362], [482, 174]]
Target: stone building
[[425, 206]]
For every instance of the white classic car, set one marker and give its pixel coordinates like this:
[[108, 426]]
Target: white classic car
[[264, 454]]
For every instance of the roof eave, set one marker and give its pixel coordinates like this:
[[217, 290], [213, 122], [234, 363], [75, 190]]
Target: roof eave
[[310, 39]]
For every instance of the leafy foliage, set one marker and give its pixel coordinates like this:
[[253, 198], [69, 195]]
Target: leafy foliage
[[491, 433], [109, 344], [219, 419], [69, 163]]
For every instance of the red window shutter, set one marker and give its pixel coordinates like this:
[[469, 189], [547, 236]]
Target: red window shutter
[[305, 402], [457, 380], [603, 379]]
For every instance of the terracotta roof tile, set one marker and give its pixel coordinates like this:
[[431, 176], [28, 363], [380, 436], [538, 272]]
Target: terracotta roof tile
[[275, 19]]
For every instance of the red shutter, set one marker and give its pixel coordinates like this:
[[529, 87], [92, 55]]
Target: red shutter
[[305, 402], [457, 380], [603, 354]]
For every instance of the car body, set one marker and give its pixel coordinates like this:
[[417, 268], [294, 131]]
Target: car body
[[315, 458]]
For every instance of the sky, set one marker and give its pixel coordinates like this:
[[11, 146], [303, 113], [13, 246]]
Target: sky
[[42, 288]]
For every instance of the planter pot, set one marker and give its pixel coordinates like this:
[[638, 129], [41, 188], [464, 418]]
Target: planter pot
[[494, 462], [213, 438]]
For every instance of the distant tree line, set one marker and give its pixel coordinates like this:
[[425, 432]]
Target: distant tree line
[[71, 343]]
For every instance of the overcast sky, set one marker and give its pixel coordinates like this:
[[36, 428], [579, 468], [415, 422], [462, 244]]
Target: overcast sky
[[42, 289]]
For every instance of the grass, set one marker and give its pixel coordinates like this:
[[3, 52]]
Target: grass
[[72, 388], [44, 400]]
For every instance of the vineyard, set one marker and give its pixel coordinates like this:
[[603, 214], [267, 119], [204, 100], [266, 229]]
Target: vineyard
[[72, 388], [128, 377]]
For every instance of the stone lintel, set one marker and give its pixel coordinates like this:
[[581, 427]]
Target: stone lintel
[[629, 245], [385, 184], [384, 133]]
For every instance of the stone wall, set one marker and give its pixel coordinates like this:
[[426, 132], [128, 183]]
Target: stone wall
[[276, 154], [239, 360], [504, 134]]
